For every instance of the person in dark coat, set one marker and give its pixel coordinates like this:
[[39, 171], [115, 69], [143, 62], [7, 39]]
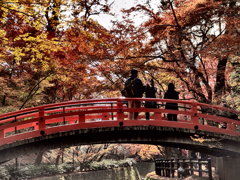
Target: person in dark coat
[[171, 94], [150, 92], [138, 90]]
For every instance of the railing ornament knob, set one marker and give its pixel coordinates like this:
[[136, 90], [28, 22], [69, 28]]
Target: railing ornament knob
[[42, 133], [120, 124]]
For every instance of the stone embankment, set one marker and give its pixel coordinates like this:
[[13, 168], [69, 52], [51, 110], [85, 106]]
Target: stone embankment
[[120, 173]]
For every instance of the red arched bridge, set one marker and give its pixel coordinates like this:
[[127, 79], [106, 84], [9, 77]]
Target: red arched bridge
[[199, 127]]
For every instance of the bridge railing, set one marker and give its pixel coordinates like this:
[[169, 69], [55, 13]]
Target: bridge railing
[[73, 115]]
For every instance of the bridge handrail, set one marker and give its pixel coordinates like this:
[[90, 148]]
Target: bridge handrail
[[74, 113], [62, 104]]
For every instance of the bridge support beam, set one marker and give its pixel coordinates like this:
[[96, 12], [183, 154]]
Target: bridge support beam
[[228, 168]]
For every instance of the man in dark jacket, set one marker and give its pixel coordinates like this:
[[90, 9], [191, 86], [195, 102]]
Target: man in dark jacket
[[137, 90], [150, 92], [171, 94]]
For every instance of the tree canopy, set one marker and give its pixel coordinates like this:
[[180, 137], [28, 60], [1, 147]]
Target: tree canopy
[[56, 50]]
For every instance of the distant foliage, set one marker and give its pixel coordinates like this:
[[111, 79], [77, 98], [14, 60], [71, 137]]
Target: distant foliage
[[233, 98]]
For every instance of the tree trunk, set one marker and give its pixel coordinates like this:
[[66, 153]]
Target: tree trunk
[[4, 100], [38, 160], [219, 89], [60, 155], [220, 86]]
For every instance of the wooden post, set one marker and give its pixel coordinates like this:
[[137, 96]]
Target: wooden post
[[120, 114], [167, 168], [1, 133], [41, 120], [81, 118], [172, 167], [158, 116], [178, 165], [112, 112], [209, 169], [15, 127], [161, 168], [194, 116], [200, 168], [231, 126], [105, 116], [64, 119], [158, 167], [164, 168], [184, 164], [191, 166], [35, 126]]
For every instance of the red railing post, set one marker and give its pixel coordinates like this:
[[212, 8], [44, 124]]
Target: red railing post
[[81, 118], [2, 134], [35, 126], [41, 121], [194, 116], [120, 114], [105, 116], [231, 126], [158, 115]]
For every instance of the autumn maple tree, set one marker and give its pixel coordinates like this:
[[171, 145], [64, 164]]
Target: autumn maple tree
[[194, 41], [47, 49], [51, 49]]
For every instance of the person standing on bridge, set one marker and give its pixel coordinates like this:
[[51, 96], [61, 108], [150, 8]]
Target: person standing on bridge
[[133, 88], [150, 92], [171, 94]]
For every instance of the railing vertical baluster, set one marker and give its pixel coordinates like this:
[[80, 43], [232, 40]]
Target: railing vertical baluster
[[161, 168], [35, 126], [1, 133], [178, 165], [81, 118], [200, 168], [167, 169], [191, 166], [158, 116], [231, 126], [194, 116], [172, 167], [15, 127], [164, 168], [157, 167], [184, 165], [105, 116], [120, 114], [41, 121], [64, 119], [112, 112], [209, 169]]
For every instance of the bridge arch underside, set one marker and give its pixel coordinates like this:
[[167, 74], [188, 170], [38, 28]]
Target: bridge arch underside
[[213, 144]]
